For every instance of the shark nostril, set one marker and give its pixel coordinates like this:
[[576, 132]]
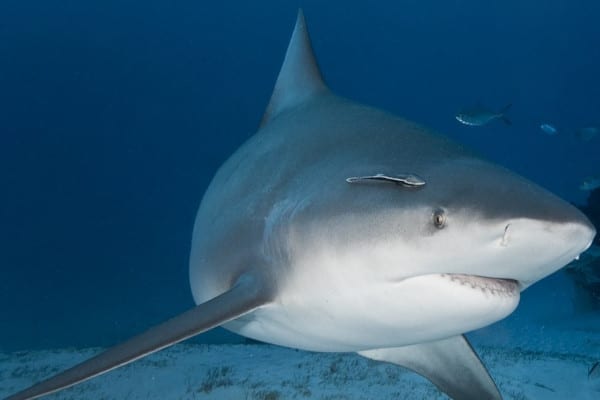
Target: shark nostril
[[505, 236]]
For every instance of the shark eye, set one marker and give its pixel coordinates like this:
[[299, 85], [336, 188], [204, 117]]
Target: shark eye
[[439, 218]]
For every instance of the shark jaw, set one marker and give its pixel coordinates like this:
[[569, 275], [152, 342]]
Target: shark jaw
[[380, 314], [493, 286]]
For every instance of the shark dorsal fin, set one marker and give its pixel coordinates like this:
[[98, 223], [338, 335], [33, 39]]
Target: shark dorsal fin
[[299, 77]]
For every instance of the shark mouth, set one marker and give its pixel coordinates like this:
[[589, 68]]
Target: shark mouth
[[495, 286]]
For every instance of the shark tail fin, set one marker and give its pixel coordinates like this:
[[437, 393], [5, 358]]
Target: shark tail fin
[[503, 112], [450, 364], [247, 295]]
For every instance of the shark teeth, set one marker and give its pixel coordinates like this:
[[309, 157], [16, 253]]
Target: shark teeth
[[495, 286]]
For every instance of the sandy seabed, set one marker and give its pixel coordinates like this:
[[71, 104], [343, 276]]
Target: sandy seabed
[[265, 372]]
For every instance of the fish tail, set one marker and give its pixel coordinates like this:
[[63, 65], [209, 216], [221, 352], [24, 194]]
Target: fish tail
[[506, 120]]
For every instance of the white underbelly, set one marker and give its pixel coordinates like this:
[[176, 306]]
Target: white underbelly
[[371, 316]]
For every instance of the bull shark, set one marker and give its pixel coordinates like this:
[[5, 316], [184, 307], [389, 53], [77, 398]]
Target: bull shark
[[338, 227]]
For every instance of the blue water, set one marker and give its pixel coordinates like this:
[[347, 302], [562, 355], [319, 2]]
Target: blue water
[[114, 116]]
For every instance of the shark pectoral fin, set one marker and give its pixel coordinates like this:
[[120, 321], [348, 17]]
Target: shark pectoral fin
[[248, 294], [450, 364]]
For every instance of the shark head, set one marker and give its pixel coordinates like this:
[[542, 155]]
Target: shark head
[[413, 262], [473, 218], [448, 252], [490, 222]]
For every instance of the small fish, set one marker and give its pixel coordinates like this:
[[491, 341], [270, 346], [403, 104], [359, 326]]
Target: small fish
[[588, 133], [479, 116], [549, 129], [590, 183]]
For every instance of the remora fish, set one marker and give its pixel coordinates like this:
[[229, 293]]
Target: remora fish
[[478, 116], [366, 233]]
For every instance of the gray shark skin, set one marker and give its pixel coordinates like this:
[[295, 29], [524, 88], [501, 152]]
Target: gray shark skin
[[339, 227]]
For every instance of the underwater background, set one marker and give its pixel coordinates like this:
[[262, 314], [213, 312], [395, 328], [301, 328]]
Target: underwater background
[[115, 115]]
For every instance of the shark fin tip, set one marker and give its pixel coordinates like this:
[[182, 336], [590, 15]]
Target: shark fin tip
[[299, 77]]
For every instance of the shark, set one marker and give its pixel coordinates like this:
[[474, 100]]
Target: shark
[[339, 227]]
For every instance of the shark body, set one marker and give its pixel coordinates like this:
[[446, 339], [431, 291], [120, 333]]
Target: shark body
[[338, 227]]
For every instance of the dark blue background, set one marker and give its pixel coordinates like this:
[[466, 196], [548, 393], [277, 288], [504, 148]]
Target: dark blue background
[[114, 115]]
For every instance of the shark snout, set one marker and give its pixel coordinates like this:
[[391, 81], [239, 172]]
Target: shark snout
[[585, 232], [533, 249], [529, 214], [588, 231], [575, 235], [572, 226]]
